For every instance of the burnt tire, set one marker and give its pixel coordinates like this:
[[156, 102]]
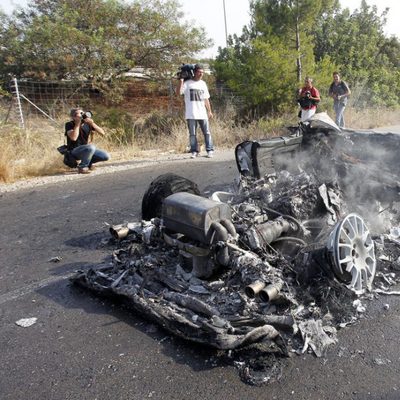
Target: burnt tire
[[162, 187]]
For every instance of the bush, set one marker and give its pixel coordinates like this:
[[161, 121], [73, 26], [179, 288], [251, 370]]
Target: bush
[[156, 125], [119, 124]]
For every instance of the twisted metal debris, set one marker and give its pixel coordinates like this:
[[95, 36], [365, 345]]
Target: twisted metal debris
[[277, 267]]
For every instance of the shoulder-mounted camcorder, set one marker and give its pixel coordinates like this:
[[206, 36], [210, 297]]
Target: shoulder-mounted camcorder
[[186, 72]]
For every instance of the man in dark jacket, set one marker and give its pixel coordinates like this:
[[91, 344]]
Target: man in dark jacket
[[79, 132], [339, 91]]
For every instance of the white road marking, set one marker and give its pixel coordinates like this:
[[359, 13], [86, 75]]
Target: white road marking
[[17, 293]]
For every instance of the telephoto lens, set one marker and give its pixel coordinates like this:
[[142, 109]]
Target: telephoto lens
[[87, 114]]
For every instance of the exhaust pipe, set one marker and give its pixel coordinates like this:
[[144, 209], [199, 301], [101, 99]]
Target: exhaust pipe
[[221, 235], [270, 292], [266, 233], [119, 232], [253, 289]]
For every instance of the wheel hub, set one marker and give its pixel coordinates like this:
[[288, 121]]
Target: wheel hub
[[352, 253]]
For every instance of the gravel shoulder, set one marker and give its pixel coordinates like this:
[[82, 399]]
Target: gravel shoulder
[[150, 158], [116, 166]]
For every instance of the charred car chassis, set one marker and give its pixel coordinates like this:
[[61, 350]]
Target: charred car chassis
[[277, 261]]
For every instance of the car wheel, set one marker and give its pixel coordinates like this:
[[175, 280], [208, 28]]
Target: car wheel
[[162, 187]]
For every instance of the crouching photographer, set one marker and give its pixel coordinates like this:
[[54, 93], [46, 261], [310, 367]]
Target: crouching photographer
[[79, 132]]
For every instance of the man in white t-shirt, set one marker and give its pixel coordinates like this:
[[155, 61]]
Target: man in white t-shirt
[[197, 109]]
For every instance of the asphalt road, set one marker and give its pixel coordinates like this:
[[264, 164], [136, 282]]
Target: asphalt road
[[85, 347]]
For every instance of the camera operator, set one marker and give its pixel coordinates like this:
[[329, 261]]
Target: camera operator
[[197, 108], [79, 132], [308, 98]]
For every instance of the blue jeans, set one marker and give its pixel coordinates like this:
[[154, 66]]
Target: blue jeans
[[192, 125], [88, 154], [339, 111]]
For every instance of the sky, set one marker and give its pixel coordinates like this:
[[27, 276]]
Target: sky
[[210, 15]]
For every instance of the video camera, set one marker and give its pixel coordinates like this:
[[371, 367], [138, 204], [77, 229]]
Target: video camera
[[186, 72]]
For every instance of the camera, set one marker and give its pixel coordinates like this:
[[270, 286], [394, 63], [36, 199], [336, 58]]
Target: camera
[[186, 72], [86, 114], [308, 94]]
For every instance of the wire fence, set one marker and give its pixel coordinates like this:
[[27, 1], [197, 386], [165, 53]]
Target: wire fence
[[53, 99]]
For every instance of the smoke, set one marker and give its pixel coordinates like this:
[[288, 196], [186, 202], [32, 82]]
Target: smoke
[[363, 164]]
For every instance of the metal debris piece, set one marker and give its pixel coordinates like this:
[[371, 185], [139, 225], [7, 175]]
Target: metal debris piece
[[381, 361], [26, 322], [359, 306], [388, 292], [314, 336], [55, 259]]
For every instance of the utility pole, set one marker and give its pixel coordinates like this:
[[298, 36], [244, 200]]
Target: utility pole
[[226, 30]]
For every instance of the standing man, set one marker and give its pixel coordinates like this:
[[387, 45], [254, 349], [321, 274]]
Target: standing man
[[197, 109], [79, 132], [308, 99], [339, 91]]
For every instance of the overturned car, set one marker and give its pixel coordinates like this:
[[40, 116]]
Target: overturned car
[[273, 266]]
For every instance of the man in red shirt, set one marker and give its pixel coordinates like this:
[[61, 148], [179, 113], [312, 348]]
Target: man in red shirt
[[308, 99]]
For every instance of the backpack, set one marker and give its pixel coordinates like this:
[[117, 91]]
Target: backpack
[[69, 159]]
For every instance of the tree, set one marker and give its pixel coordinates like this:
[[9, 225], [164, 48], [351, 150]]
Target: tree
[[365, 57], [96, 39], [313, 37], [254, 74], [266, 64], [294, 21]]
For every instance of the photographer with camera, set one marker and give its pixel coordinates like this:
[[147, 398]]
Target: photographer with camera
[[197, 106], [79, 132], [308, 98], [339, 91]]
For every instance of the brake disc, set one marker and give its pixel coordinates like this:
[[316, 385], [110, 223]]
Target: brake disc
[[352, 253]]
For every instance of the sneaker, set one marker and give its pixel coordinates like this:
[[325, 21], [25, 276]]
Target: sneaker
[[92, 167], [194, 155], [210, 154], [83, 170]]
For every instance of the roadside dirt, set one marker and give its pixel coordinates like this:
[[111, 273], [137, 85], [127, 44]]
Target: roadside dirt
[[148, 159]]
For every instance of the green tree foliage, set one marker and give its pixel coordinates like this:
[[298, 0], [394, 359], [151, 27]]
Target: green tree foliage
[[293, 21], [95, 39], [366, 57], [253, 73], [288, 39]]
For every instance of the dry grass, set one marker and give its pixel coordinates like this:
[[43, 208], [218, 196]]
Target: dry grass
[[27, 153], [32, 152], [371, 118]]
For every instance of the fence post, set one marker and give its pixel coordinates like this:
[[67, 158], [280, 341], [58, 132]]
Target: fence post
[[16, 97]]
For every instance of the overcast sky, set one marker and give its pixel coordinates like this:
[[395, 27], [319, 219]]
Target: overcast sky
[[210, 15]]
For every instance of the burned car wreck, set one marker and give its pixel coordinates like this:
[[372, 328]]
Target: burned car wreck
[[275, 265]]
